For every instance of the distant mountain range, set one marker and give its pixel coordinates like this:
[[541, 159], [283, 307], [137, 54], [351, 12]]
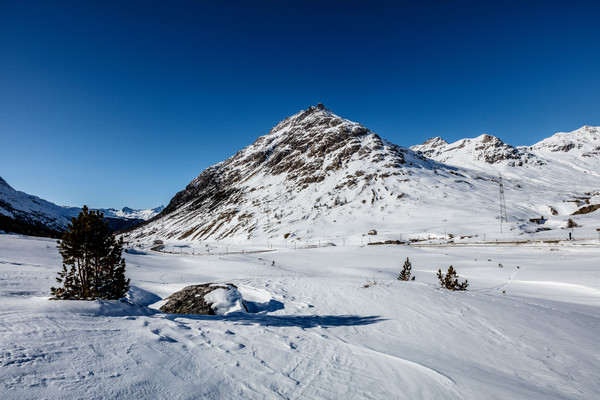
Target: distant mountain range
[[27, 214], [317, 175]]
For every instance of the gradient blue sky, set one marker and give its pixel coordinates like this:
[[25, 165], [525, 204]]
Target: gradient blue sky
[[122, 103]]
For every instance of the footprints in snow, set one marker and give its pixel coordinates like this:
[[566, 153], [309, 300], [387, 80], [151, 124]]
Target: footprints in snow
[[163, 338], [189, 336]]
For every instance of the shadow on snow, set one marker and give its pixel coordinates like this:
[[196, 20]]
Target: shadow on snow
[[301, 321], [113, 308]]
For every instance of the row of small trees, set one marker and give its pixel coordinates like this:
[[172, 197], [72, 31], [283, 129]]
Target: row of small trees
[[448, 281]]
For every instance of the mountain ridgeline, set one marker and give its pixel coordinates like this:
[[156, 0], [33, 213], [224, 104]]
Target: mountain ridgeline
[[316, 175], [30, 215]]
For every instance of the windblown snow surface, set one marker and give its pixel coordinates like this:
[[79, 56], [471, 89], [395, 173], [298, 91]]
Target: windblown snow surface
[[323, 323]]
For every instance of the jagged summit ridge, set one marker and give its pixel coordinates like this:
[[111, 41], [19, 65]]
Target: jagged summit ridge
[[300, 150], [485, 148], [561, 154]]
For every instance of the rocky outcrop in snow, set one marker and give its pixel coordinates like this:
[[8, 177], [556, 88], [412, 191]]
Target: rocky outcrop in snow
[[205, 299]]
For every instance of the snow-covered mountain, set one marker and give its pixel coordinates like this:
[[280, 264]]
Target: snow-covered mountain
[[578, 150], [583, 142], [130, 213], [24, 213], [317, 175], [484, 149], [567, 162]]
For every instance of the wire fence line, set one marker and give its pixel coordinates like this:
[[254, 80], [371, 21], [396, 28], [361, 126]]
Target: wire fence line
[[245, 248]]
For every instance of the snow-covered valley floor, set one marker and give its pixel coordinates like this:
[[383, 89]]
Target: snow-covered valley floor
[[329, 323]]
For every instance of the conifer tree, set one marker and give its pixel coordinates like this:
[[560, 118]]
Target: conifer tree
[[93, 265], [405, 274], [450, 280]]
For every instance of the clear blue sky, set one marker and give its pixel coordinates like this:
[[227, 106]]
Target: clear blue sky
[[122, 103]]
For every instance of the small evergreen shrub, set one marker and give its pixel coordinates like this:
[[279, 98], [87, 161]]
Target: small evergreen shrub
[[405, 274], [450, 280]]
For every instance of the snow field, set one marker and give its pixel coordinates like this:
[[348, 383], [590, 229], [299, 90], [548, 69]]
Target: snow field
[[526, 328]]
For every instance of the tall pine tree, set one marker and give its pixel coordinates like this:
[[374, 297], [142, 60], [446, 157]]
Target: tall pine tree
[[93, 265]]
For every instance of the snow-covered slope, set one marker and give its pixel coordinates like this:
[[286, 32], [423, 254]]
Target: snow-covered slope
[[317, 175], [328, 323], [577, 151], [33, 212], [23, 213], [583, 142], [562, 171]]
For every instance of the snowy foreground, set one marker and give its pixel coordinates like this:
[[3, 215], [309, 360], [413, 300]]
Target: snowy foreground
[[527, 329]]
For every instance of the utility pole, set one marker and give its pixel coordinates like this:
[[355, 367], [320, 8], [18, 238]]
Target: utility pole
[[503, 216]]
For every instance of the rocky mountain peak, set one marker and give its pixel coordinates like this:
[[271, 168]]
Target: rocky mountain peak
[[486, 141], [591, 129], [318, 115], [4, 183], [430, 147], [312, 135], [434, 142], [301, 155], [485, 138]]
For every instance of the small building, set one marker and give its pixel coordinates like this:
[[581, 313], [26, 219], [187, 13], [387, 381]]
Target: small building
[[158, 242], [373, 232]]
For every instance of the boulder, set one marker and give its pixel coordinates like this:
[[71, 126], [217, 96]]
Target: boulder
[[205, 299]]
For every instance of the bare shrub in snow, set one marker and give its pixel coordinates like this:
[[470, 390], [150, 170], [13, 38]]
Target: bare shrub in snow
[[369, 283]]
